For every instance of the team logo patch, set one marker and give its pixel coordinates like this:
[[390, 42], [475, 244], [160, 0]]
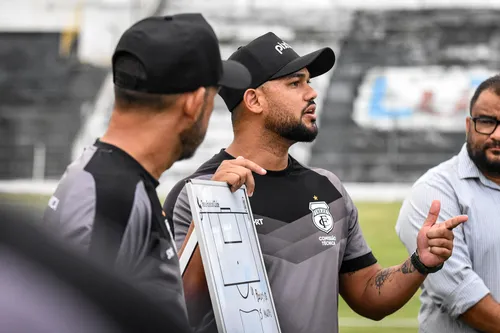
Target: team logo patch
[[321, 216]]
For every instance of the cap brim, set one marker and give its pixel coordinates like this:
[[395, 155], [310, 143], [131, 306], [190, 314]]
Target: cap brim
[[317, 63], [235, 75]]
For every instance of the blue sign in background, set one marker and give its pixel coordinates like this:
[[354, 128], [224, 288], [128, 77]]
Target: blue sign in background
[[377, 109]]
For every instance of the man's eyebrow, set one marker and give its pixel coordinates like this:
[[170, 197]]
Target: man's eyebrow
[[295, 75], [484, 115]]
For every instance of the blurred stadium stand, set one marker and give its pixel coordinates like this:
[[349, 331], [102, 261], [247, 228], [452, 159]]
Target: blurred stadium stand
[[48, 80], [402, 39], [42, 98], [393, 106]]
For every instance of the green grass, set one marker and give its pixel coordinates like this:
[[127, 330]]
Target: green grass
[[33, 201], [376, 330], [377, 222]]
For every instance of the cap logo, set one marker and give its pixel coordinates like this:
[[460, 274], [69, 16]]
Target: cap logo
[[282, 46]]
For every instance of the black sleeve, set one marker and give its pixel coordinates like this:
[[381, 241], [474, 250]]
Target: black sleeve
[[358, 263]]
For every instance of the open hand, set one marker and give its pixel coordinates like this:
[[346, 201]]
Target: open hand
[[238, 172], [435, 241]]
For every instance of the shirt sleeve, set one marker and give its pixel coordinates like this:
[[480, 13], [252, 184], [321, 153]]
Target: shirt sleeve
[[357, 254], [71, 210], [178, 213], [456, 287], [104, 217]]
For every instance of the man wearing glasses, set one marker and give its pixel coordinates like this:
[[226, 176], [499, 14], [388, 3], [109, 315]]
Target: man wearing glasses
[[465, 295]]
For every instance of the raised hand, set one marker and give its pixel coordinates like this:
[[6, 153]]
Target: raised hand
[[238, 172], [435, 241]]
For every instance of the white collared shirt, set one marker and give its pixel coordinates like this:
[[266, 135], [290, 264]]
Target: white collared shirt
[[473, 270]]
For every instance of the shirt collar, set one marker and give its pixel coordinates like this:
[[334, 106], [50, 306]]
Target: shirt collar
[[129, 160], [466, 167]]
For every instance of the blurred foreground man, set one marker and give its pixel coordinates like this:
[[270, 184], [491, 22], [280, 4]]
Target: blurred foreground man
[[47, 287], [166, 71], [308, 226], [464, 296]]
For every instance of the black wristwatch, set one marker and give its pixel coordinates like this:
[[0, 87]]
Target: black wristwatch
[[421, 268]]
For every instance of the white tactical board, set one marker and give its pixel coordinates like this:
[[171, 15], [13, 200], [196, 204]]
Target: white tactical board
[[232, 260]]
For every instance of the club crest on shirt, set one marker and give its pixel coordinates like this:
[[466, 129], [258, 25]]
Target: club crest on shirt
[[321, 216]]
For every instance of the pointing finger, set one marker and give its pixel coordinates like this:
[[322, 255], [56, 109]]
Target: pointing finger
[[455, 221]]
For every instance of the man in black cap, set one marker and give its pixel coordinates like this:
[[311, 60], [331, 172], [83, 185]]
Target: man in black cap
[[308, 227], [166, 72]]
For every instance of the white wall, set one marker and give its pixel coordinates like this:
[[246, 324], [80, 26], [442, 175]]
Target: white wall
[[100, 22], [416, 4], [103, 23], [36, 15], [55, 15], [100, 30]]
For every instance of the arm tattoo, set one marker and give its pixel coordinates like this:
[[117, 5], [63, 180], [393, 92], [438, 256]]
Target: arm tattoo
[[407, 267], [382, 276], [385, 274]]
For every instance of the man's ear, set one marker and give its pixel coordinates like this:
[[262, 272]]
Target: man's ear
[[253, 100], [193, 102]]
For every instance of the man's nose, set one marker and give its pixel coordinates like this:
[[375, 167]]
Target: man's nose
[[311, 94]]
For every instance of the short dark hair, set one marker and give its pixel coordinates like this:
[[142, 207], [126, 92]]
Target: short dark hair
[[492, 83], [125, 99], [235, 114]]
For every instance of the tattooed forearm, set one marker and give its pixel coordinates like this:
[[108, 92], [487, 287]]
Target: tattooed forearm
[[382, 276], [407, 267], [386, 274]]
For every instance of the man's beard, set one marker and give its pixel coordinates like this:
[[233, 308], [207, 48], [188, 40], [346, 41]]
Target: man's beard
[[478, 155], [192, 138], [286, 126]]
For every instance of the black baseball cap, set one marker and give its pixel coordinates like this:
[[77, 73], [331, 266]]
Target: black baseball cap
[[268, 57], [179, 53]]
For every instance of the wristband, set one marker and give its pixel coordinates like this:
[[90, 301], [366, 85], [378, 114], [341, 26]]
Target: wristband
[[420, 267]]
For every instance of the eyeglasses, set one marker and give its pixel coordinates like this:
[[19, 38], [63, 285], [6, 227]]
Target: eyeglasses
[[485, 125]]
